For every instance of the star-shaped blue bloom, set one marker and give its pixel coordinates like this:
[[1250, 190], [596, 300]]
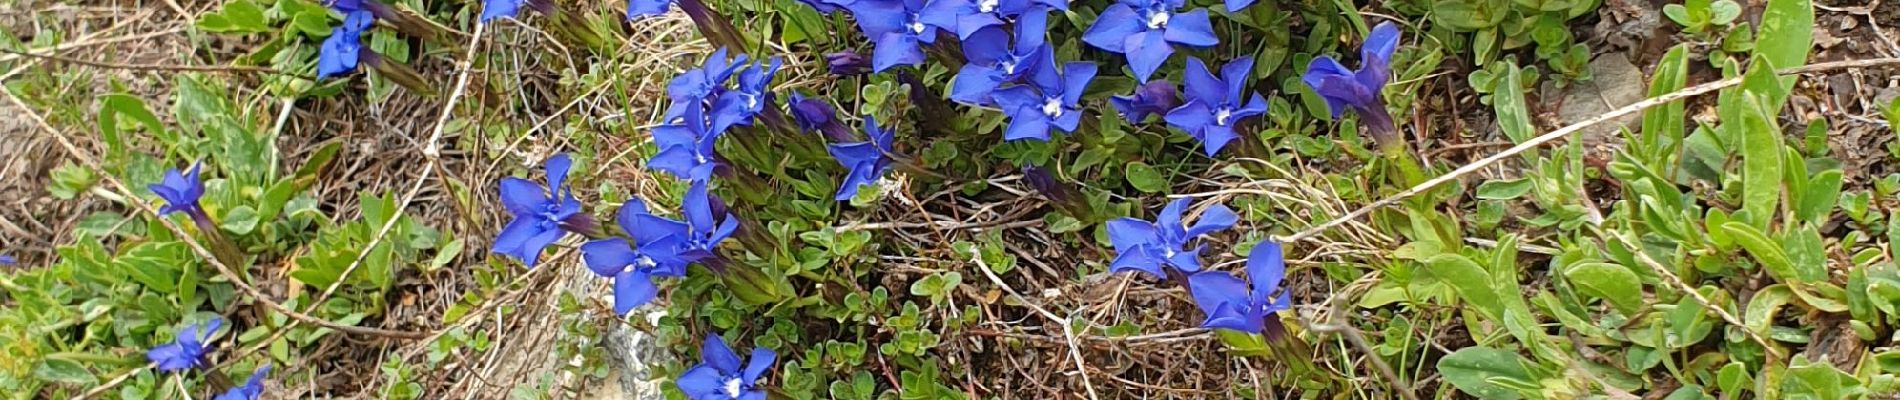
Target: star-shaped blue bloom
[[251, 389], [719, 376], [992, 64], [868, 161], [188, 350], [741, 105], [1230, 304], [898, 27], [708, 222], [1148, 246], [652, 250], [540, 213], [686, 147], [1346, 89], [1051, 100], [181, 191], [1142, 30], [341, 52], [700, 87], [1156, 97], [1214, 105]]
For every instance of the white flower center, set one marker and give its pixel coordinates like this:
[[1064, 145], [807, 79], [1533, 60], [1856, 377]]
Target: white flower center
[[1009, 66], [916, 24], [986, 6], [732, 387], [751, 101], [1052, 107], [643, 262], [1158, 20], [1221, 115]]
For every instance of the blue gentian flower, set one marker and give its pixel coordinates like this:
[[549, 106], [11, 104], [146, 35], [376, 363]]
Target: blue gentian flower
[[686, 147], [492, 9], [541, 214], [654, 251], [1050, 101], [1214, 105], [708, 79], [1142, 30], [898, 28], [1358, 91], [868, 161], [1153, 98], [739, 106], [181, 191], [992, 64], [718, 375], [342, 51], [817, 115], [846, 63], [707, 222], [1230, 304], [188, 350], [250, 390], [1148, 246]]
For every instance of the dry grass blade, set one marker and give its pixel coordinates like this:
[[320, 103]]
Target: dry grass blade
[[1068, 330]]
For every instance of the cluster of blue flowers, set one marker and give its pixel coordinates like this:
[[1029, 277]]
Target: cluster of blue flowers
[[1159, 248], [182, 192]]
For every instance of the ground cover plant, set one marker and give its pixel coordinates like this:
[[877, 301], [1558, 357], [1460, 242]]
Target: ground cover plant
[[938, 199]]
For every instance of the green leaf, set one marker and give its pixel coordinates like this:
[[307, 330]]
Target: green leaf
[[1610, 282], [1146, 178], [1786, 35], [1469, 15], [1477, 371], [1761, 163], [1733, 377], [155, 264], [1762, 308], [1503, 189], [238, 16], [1818, 201], [1514, 118], [1820, 381], [446, 254], [1770, 254], [63, 371], [1666, 121], [1470, 281], [71, 179], [240, 221]]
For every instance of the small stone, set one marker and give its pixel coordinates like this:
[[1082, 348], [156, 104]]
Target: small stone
[[1615, 83]]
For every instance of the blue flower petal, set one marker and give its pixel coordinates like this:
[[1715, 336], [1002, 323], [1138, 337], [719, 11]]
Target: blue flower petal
[[1137, 259], [1214, 137], [1266, 266], [1234, 6], [1027, 124], [1146, 52], [760, 361], [974, 83], [607, 257], [1201, 85], [516, 235], [894, 49], [646, 8], [1191, 117], [716, 353], [1128, 233], [1191, 28], [700, 382], [1213, 219], [632, 289], [1112, 29], [1380, 44], [492, 9]]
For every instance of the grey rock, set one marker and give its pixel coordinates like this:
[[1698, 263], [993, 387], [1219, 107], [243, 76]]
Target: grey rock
[[1615, 83]]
